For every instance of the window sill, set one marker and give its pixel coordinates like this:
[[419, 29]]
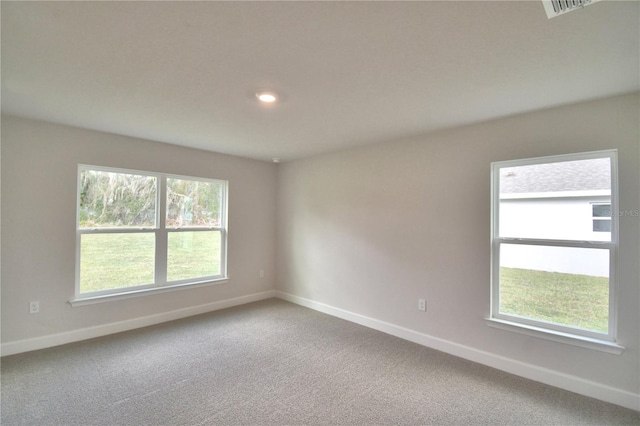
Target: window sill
[[557, 336], [81, 301]]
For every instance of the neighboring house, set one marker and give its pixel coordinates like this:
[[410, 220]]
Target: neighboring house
[[562, 201]]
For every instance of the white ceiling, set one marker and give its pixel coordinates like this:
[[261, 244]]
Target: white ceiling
[[349, 73]]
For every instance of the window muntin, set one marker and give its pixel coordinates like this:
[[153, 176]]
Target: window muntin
[[131, 236], [550, 268]]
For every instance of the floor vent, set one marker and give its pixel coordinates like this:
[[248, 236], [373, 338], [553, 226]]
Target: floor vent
[[559, 7]]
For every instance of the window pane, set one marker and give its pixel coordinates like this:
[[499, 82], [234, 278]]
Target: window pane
[[601, 226], [554, 200], [109, 261], [116, 200], [562, 285], [193, 203], [193, 254], [602, 210]]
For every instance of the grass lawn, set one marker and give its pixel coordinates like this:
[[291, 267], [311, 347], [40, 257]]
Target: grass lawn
[[576, 300], [109, 261], [193, 254]]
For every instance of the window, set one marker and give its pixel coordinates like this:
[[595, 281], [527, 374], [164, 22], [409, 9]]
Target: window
[[140, 230], [553, 266], [601, 217]]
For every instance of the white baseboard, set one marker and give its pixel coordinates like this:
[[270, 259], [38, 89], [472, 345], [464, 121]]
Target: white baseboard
[[19, 346], [529, 371]]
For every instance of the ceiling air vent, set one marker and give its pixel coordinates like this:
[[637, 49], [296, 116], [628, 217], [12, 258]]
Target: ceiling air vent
[[559, 7]]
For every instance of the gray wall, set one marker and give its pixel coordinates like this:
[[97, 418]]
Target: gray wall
[[367, 230], [39, 174], [373, 229]]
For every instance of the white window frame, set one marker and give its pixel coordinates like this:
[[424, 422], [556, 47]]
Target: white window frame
[[161, 232], [556, 332]]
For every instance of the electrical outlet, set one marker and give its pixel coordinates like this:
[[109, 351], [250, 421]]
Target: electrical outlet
[[34, 307], [422, 305], [261, 273]]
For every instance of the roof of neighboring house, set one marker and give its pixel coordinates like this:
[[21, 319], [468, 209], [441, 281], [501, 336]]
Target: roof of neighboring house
[[580, 175]]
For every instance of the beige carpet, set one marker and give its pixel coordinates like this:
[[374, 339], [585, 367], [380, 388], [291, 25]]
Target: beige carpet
[[273, 362]]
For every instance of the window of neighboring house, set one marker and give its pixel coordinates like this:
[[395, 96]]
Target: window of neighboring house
[[549, 272], [601, 217], [138, 231]]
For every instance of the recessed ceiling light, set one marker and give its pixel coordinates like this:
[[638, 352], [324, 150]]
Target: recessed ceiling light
[[267, 97]]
